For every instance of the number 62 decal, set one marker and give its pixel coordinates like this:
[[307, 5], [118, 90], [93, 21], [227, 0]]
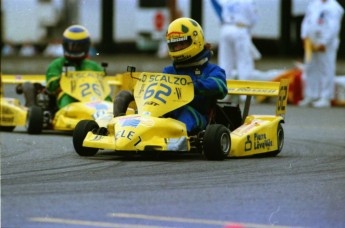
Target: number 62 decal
[[158, 94]]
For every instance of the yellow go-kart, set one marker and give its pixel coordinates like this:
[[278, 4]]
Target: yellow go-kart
[[88, 88], [12, 114], [230, 133]]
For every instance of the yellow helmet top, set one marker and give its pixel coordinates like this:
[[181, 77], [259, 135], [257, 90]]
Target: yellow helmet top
[[185, 39], [76, 42]]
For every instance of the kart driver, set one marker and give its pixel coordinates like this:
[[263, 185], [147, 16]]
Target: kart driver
[[76, 44], [190, 55]]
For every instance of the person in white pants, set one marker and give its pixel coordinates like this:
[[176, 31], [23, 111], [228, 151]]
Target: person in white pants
[[235, 50], [321, 28]]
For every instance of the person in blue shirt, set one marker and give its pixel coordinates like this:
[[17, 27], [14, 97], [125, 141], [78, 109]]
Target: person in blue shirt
[[190, 56]]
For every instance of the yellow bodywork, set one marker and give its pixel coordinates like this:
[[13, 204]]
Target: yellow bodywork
[[12, 113], [67, 118], [116, 82], [21, 78], [155, 94], [258, 133], [138, 133], [88, 87]]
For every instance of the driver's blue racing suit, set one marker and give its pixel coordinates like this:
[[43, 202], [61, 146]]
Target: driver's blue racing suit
[[209, 85]]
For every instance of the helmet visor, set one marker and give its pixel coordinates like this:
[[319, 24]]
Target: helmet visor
[[178, 44], [76, 49]]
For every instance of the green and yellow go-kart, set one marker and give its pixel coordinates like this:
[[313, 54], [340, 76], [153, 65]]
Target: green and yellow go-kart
[[88, 88], [228, 134]]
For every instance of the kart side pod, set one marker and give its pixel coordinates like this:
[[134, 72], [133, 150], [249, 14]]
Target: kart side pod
[[259, 134]]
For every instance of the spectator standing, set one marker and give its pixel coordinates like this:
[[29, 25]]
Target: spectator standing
[[8, 49], [54, 49], [27, 50], [320, 31], [235, 50]]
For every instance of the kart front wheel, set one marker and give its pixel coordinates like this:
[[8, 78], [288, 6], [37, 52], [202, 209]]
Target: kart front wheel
[[79, 134], [216, 142], [34, 122]]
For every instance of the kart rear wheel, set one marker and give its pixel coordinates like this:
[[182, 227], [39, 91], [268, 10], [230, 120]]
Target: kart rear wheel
[[79, 134], [280, 141], [34, 122], [216, 142]]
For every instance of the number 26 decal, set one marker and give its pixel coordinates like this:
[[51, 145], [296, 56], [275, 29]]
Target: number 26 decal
[[87, 89]]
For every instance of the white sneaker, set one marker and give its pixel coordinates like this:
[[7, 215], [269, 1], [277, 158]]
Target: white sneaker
[[322, 103], [307, 101], [243, 98], [178, 144]]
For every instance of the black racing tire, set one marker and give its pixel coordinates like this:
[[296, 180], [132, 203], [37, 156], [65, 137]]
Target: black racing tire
[[280, 141], [121, 102], [34, 121], [79, 134], [7, 128], [216, 142]]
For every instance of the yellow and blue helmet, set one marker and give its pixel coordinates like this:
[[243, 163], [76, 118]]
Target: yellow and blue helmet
[[185, 39], [76, 42]]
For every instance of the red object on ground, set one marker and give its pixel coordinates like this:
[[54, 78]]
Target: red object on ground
[[296, 88]]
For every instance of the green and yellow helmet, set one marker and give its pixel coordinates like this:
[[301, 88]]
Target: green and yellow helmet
[[185, 39], [76, 42]]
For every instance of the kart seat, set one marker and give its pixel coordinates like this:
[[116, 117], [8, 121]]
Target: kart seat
[[227, 114]]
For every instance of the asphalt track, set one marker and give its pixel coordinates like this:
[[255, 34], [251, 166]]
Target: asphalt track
[[44, 183]]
